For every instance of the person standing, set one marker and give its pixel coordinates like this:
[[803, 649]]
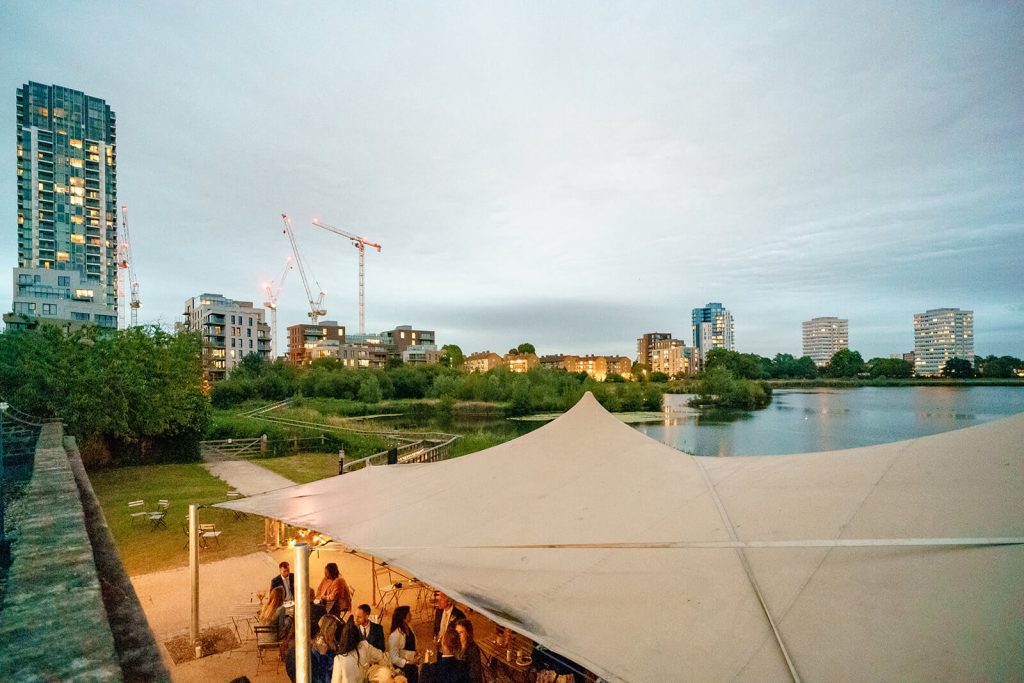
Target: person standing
[[402, 644], [355, 655], [448, 669], [469, 651], [445, 615], [371, 632]]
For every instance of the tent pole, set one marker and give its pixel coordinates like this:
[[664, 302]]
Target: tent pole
[[193, 573], [303, 672]]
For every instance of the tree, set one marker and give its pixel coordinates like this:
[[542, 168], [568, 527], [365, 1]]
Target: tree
[[894, 368], [845, 363], [958, 368], [1003, 366], [525, 347], [452, 356], [742, 365], [369, 390], [658, 377]]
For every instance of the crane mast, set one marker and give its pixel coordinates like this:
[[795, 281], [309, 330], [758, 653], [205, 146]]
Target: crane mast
[[316, 309], [359, 243], [273, 294], [126, 266]]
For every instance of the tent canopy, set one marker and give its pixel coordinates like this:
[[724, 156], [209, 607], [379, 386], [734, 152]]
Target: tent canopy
[[619, 552]]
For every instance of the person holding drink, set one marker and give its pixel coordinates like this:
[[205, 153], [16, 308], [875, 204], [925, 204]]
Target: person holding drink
[[402, 644]]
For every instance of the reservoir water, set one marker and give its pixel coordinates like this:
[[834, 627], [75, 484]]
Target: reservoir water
[[806, 420]]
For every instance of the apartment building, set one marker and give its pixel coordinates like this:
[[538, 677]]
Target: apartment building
[[482, 361], [940, 335], [305, 336], [822, 337], [230, 330], [66, 271]]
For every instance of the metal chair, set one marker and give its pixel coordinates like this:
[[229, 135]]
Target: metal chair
[[208, 531], [137, 510], [266, 639], [157, 517]]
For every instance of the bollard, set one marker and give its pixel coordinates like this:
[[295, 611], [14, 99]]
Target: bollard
[[341, 461]]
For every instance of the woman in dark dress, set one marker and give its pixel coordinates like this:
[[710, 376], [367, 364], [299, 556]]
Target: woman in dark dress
[[402, 644], [469, 651]]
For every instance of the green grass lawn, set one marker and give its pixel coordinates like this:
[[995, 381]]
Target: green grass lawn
[[302, 468], [144, 549]]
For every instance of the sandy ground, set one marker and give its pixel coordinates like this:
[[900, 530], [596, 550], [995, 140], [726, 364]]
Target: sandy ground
[[222, 586]]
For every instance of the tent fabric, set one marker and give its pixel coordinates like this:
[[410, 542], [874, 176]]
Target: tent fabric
[[476, 527]]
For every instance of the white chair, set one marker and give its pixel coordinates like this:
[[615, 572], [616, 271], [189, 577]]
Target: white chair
[[137, 510], [207, 531]]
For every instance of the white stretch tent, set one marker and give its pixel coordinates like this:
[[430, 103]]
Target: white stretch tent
[[653, 587]]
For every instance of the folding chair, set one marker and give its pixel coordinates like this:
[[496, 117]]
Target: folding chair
[[137, 510], [266, 640], [207, 531], [156, 518]]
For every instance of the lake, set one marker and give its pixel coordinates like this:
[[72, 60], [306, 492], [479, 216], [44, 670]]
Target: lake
[[805, 420]]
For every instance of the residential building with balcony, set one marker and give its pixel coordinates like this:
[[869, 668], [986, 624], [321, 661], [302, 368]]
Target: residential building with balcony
[[422, 354], [645, 344], [350, 354], [66, 271], [712, 328], [672, 357], [940, 335], [230, 331], [304, 336], [403, 336], [482, 361], [822, 337]]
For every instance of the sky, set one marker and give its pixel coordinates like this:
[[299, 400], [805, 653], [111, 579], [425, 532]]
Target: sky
[[568, 174]]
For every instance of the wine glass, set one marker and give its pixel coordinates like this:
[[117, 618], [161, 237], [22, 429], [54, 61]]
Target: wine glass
[[260, 595]]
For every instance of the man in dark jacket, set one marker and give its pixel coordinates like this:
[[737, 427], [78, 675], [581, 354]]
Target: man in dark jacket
[[286, 580], [448, 669], [371, 632], [445, 615]]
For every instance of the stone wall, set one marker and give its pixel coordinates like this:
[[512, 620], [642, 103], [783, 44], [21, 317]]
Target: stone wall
[[54, 624]]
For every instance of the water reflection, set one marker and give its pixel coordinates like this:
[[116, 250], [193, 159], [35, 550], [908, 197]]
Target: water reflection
[[799, 421]]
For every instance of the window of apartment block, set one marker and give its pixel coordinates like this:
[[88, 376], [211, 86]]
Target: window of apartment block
[[79, 316], [63, 281], [49, 309], [250, 321], [24, 307]]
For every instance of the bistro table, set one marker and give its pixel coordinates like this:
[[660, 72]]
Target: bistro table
[[501, 659]]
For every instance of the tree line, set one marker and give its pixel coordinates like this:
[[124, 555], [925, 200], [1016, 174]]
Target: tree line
[[129, 396], [538, 390]]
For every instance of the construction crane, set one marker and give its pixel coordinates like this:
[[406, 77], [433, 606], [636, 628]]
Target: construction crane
[[316, 309], [273, 293], [359, 243], [126, 266]]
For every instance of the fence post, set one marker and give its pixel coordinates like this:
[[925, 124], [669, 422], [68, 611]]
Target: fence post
[[341, 461], [263, 445], [392, 456]]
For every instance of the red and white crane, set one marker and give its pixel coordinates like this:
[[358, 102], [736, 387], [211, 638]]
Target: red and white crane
[[126, 267], [359, 243], [273, 294], [316, 306]]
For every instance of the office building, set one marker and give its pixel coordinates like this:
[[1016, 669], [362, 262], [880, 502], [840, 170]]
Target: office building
[[645, 343], [940, 335], [66, 271], [712, 328], [824, 336], [230, 330]]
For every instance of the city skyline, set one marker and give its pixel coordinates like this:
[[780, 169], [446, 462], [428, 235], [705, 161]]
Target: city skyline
[[863, 162]]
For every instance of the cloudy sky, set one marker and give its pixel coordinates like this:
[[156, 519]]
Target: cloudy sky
[[570, 174]]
